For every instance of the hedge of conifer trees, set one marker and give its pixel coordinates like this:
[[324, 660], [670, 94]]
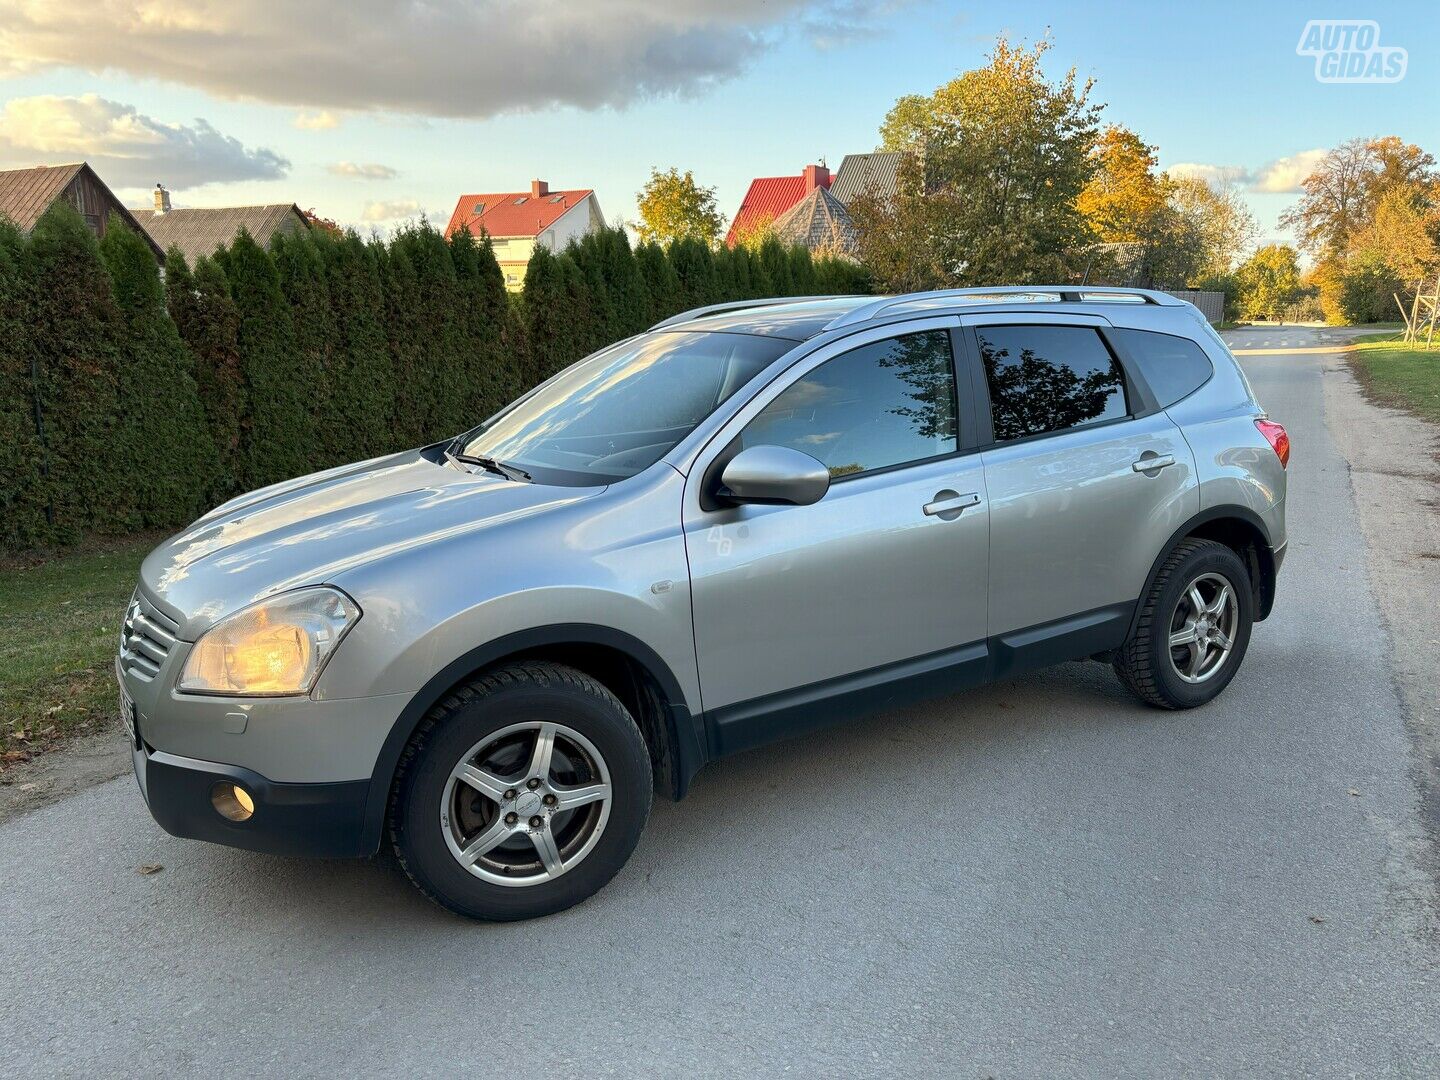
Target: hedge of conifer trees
[[131, 400]]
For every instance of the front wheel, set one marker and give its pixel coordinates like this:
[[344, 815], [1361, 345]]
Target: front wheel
[[1193, 629], [521, 794]]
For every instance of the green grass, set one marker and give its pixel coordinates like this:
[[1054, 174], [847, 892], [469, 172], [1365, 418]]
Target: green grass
[[59, 624], [1406, 376]]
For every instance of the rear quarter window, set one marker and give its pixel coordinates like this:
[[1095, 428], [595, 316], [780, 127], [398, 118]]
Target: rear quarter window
[[1173, 367]]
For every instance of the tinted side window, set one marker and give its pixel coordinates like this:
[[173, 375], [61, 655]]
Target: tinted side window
[[881, 404], [1048, 378], [1172, 366]]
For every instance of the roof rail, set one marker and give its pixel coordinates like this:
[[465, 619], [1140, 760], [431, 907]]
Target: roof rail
[[734, 305], [1001, 294]]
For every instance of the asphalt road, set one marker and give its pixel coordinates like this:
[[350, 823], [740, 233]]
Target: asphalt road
[[1040, 879]]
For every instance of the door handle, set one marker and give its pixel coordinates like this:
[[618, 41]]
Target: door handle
[[948, 505], [1152, 462]]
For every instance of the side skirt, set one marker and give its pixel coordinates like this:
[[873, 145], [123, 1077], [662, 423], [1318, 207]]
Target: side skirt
[[746, 725]]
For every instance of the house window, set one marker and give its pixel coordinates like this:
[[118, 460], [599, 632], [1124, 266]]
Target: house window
[[479, 208], [520, 200]]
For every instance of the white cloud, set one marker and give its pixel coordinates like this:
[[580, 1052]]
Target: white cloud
[[451, 58], [1214, 175], [372, 171], [1283, 176], [390, 211], [1287, 174], [323, 120], [128, 148]]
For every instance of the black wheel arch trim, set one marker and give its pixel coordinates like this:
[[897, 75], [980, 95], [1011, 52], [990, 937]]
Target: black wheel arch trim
[[687, 744], [1265, 588]]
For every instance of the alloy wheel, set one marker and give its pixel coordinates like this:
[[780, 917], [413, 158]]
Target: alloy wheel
[[1203, 628], [526, 804]]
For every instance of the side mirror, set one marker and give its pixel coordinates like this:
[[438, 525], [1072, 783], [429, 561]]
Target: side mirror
[[774, 474]]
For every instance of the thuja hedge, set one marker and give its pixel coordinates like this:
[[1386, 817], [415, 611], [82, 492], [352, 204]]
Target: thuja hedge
[[135, 400]]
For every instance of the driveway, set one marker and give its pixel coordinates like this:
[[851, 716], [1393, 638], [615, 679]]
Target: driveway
[[1043, 878]]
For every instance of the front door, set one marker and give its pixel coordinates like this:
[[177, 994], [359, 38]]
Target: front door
[[888, 567]]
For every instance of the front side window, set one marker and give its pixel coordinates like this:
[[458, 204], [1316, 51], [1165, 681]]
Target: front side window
[[620, 411], [1048, 378], [883, 404]]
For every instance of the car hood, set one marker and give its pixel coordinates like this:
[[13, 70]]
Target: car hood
[[310, 530]]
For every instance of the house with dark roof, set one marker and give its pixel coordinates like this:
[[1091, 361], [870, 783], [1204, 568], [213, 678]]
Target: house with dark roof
[[876, 175], [200, 231], [518, 220], [820, 222], [770, 196], [25, 195]]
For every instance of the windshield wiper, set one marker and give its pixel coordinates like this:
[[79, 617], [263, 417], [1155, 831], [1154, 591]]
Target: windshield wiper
[[490, 464]]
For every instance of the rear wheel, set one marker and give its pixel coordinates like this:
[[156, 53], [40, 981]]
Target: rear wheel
[[1193, 629], [521, 794]]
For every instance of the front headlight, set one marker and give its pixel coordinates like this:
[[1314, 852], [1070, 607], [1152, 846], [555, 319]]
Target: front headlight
[[276, 646]]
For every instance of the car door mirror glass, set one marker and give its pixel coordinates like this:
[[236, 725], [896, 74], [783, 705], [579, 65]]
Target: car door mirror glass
[[774, 475]]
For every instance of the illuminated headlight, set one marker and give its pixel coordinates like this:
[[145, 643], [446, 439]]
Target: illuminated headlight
[[274, 647]]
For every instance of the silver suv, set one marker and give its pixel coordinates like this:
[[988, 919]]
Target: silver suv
[[750, 522]]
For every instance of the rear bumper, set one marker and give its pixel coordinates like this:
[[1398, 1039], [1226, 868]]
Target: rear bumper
[[289, 819]]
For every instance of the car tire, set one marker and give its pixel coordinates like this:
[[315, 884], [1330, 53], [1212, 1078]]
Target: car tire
[[1190, 673], [470, 775]]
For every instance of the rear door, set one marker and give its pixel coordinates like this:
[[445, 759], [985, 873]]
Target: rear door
[[1087, 480]]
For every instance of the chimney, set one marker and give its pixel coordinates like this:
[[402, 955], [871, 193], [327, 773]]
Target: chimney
[[816, 176], [162, 199], [539, 188]]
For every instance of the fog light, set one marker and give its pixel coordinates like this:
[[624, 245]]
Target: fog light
[[232, 801]]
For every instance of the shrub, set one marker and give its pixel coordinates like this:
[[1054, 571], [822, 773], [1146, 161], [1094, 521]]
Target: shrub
[[74, 332], [25, 493], [662, 284], [280, 439], [209, 324], [362, 390], [1367, 288], [159, 404]]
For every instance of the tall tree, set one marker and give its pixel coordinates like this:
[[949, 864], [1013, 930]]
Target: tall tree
[[674, 207], [302, 279], [482, 312], [1218, 217], [662, 284], [159, 403], [695, 268], [74, 336], [280, 437], [996, 160], [1343, 191], [404, 330], [209, 324], [362, 385], [24, 481]]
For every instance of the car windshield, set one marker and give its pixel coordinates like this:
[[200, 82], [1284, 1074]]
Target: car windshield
[[621, 410]]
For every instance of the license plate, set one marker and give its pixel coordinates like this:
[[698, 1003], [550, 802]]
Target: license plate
[[127, 717]]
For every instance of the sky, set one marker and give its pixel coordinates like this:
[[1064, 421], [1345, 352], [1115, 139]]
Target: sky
[[376, 111]]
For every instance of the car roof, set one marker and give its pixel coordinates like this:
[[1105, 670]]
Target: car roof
[[801, 318]]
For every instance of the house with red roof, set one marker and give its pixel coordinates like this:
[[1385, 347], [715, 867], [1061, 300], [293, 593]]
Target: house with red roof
[[770, 196], [518, 220]]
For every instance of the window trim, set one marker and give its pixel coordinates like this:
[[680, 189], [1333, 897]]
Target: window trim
[[1139, 400], [722, 445]]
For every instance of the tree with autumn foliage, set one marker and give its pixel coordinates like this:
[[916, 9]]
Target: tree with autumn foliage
[[674, 207], [996, 160]]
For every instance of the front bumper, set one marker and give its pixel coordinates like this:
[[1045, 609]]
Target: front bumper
[[289, 819]]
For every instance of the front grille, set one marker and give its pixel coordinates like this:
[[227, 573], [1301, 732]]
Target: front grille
[[146, 638]]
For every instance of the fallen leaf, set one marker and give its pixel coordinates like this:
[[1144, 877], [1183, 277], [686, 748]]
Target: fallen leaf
[[1318, 919], [1354, 792], [154, 868], [12, 757]]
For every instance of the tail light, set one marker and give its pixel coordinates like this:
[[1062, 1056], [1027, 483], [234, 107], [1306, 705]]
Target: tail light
[[1278, 440]]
